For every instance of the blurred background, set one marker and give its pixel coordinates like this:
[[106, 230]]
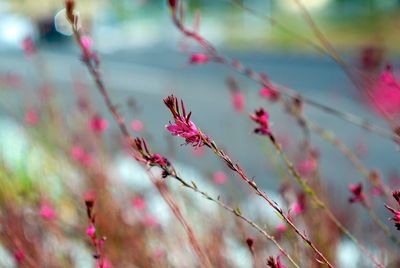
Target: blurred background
[[144, 58]]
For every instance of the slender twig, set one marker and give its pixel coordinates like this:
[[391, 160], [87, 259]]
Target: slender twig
[[93, 70], [309, 191], [238, 214], [235, 167], [276, 23], [336, 56], [382, 226], [260, 78], [185, 128], [349, 154], [165, 193]]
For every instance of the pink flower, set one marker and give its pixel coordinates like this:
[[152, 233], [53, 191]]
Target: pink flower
[[269, 93], [307, 166], [159, 253], [91, 231], [139, 203], [80, 155], [238, 101], [385, 94], [98, 124], [28, 46], [281, 228], [261, 118], [198, 58], [103, 264], [356, 190], [89, 197], [47, 212], [87, 42], [183, 127], [396, 195], [299, 206], [150, 221], [377, 191], [275, 264], [19, 255], [31, 118], [396, 213], [219, 177], [77, 152], [137, 125], [147, 157]]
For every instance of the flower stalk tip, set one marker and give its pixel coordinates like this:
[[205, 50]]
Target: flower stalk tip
[[183, 126]]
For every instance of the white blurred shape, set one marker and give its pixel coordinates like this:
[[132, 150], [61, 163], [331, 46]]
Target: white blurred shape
[[348, 254], [13, 29], [311, 5], [62, 25]]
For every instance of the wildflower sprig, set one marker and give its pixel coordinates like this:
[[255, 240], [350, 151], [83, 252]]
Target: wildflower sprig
[[396, 213], [183, 126], [98, 243], [260, 118], [189, 130], [213, 55]]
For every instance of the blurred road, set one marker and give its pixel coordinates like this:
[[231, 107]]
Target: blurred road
[[150, 75]]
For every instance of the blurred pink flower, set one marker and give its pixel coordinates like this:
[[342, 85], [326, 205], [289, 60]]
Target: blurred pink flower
[[269, 93], [77, 152], [238, 101], [150, 221], [137, 125], [281, 228], [219, 177], [159, 253], [358, 195], [396, 213], [19, 255], [198, 58], [47, 212], [87, 42], [98, 124], [377, 191], [91, 231], [385, 94], [139, 203], [261, 118], [103, 264], [31, 117], [307, 166], [271, 263], [80, 155], [299, 205], [28, 45]]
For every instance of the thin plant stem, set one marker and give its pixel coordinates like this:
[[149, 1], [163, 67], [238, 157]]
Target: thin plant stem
[[236, 168], [124, 130], [260, 78], [309, 191], [382, 226], [350, 155], [165, 193], [336, 56], [238, 214]]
